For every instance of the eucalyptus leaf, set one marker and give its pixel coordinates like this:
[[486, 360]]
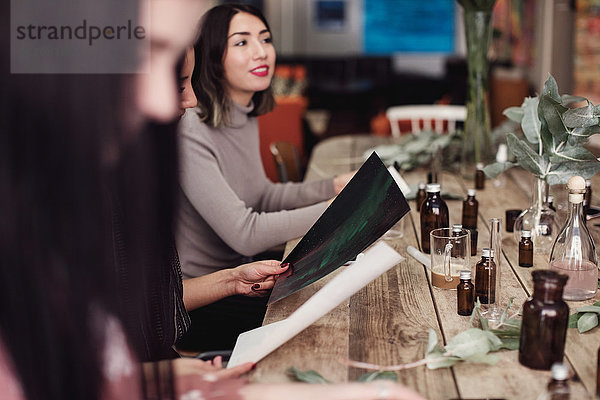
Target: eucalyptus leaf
[[587, 321], [437, 359], [309, 376], [586, 132], [573, 318], [581, 117], [511, 343], [495, 169], [531, 123], [586, 309], [575, 154], [551, 114], [568, 99], [560, 174], [472, 341], [598, 302], [526, 157], [551, 89], [378, 375], [514, 113], [597, 110], [489, 359], [432, 341]]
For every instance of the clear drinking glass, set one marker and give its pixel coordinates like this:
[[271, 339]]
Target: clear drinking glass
[[450, 253]]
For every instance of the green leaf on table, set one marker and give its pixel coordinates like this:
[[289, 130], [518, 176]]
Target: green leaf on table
[[473, 341], [489, 359], [309, 376], [495, 169], [527, 158], [511, 343], [432, 341], [437, 359], [581, 117], [587, 321], [378, 375], [551, 89], [514, 113], [593, 308], [573, 318], [531, 123]]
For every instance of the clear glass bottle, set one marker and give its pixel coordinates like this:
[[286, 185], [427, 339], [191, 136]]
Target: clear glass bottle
[[479, 177], [434, 214], [470, 208], [465, 293], [545, 320], [526, 250], [421, 195], [539, 218], [485, 278], [574, 252]]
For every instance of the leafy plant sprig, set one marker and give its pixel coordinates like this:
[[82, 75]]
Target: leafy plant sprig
[[555, 135], [585, 318]]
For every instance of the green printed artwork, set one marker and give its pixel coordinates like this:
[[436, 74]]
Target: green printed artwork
[[368, 206]]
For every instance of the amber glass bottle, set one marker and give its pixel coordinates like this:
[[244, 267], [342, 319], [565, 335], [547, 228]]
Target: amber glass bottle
[[465, 292], [545, 319], [485, 278], [421, 195], [469, 211], [558, 387], [479, 177], [434, 214], [587, 197], [526, 250]]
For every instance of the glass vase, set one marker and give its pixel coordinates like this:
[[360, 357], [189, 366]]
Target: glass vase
[[539, 218], [477, 137]]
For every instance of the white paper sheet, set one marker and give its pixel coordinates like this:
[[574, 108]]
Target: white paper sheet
[[254, 345]]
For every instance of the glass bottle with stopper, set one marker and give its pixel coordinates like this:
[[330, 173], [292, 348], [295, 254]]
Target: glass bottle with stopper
[[574, 252]]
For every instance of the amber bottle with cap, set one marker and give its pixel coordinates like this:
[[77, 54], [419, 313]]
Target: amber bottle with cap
[[469, 210], [485, 278], [434, 214], [587, 197], [421, 196], [526, 250], [479, 177], [545, 320], [465, 292], [558, 387]]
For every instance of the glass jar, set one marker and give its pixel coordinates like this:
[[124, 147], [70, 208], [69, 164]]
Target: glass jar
[[545, 320]]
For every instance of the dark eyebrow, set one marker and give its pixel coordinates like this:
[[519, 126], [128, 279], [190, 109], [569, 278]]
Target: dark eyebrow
[[248, 33]]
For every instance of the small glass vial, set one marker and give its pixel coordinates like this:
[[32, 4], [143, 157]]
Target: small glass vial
[[526, 250], [545, 320], [558, 387], [550, 202], [574, 252], [434, 214], [485, 278], [587, 197], [421, 195], [470, 210], [474, 236], [465, 292], [479, 177]]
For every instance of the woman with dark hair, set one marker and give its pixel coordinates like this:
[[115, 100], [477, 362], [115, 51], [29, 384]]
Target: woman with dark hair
[[229, 211]]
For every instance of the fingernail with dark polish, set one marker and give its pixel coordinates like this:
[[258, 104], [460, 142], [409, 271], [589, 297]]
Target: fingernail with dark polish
[[284, 265], [256, 286], [253, 367]]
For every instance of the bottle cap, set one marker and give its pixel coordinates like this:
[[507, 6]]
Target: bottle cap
[[465, 275], [433, 187], [479, 166], [588, 183], [525, 234], [421, 185], [486, 252], [560, 371], [502, 154], [471, 192], [550, 199], [456, 227]]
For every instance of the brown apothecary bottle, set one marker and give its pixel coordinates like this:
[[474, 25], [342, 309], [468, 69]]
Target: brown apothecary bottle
[[526, 250], [421, 196], [485, 277], [545, 320], [465, 294], [479, 177], [470, 207], [434, 214]]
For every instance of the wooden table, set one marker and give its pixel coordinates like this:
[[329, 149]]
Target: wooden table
[[388, 321]]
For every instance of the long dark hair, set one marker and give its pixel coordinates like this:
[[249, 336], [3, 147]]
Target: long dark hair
[[208, 78], [61, 145]]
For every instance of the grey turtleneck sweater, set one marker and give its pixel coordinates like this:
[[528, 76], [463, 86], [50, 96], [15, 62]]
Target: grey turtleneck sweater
[[228, 208]]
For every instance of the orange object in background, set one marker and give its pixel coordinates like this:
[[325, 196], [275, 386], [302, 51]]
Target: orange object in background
[[380, 125], [284, 123]]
